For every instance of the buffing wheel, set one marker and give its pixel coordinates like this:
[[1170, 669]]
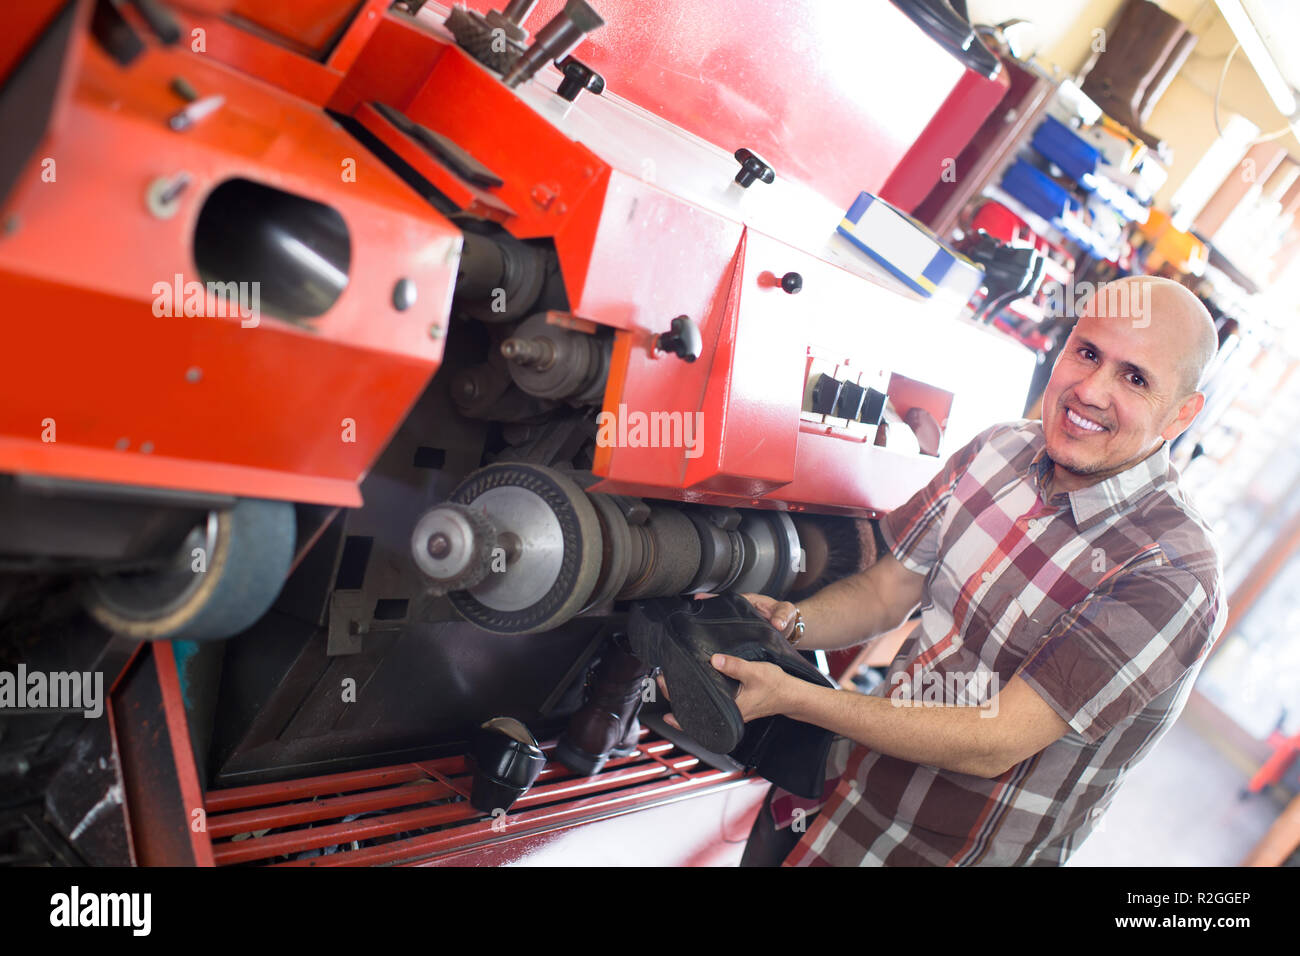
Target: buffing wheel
[[554, 570], [835, 547], [771, 554]]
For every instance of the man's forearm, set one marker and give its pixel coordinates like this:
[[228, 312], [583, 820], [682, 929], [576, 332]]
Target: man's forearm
[[848, 612], [962, 739]]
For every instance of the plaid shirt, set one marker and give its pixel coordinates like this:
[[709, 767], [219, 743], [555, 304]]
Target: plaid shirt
[[1105, 601]]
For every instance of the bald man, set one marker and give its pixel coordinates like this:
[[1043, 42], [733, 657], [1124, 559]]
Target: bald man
[[1068, 592]]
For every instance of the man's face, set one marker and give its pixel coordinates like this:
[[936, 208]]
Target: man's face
[[1115, 394]]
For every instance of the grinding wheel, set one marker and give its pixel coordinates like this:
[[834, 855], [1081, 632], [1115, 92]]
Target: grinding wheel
[[557, 563], [246, 554]]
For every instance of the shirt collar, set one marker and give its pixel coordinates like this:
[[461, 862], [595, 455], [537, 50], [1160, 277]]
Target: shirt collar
[[1108, 498]]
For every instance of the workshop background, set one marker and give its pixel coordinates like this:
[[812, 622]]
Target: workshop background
[[1211, 794], [332, 451]]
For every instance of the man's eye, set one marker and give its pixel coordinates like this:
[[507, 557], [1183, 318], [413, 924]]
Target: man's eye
[[1087, 353], [1137, 380]]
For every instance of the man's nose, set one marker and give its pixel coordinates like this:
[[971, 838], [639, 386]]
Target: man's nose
[[1092, 389]]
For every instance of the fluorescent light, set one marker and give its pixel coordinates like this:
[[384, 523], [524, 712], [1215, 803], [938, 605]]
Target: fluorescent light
[[1253, 46]]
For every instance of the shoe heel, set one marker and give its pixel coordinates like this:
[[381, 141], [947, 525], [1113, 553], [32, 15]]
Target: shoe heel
[[580, 762]]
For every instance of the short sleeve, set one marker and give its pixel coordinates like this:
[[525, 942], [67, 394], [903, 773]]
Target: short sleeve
[[912, 529], [1122, 647]]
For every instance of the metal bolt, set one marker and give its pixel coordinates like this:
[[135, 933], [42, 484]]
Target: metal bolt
[[12, 223], [193, 374], [123, 444], [404, 294], [146, 448], [174, 189], [163, 195], [184, 89], [439, 546], [196, 111], [537, 352]]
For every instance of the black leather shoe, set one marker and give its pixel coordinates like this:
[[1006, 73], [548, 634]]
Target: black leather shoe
[[507, 761], [680, 636]]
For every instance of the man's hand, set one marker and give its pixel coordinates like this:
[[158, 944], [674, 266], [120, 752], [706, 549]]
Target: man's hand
[[851, 610], [764, 688], [780, 614]]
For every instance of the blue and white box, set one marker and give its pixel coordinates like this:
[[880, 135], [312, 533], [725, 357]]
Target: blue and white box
[[905, 247]]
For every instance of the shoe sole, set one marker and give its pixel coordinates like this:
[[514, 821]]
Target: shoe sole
[[702, 699], [703, 706]]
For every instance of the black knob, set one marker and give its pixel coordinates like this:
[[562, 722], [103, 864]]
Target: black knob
[[850, 401], [753, 167], [683, 340], [578, 77], [825, 393], [873, 407], [792, 282]]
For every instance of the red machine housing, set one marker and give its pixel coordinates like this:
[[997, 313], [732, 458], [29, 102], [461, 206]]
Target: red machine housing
[[634, 188], [103, 389]]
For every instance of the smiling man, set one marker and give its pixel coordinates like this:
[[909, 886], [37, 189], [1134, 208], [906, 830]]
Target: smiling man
[[1063, 579]]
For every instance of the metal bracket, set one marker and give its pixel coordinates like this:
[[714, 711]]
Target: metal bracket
[[347, 624]]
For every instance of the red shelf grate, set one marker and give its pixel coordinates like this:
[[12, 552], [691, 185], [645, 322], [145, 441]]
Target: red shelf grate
[[416, 812]]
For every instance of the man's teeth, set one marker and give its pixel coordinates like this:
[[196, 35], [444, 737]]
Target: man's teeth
[[1083, 422]]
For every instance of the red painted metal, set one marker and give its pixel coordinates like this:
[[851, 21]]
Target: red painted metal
[[390, 68], [748, 387], [312, 25], [161, 791], [178, 732], [262, 57], [23, 23], [556, 185], [108, 372], [600, 213], [302, 47], [949, 130], [357, 33], [831, 94], [422, 813], [1279, 761], [472, 199], [638, 246], [419, 812], [224, 801]]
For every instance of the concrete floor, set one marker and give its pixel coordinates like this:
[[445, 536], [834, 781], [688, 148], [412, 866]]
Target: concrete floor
[[1180, 807]]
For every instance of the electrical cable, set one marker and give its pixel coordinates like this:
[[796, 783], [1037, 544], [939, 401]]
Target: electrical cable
[[1218, 90]]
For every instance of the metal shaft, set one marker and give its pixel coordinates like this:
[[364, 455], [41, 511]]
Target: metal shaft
[[517, 11], [555, 40]]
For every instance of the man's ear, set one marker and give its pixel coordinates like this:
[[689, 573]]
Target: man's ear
[[1187, 412]]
